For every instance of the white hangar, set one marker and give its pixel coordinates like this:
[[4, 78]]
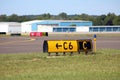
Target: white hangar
[[55, 26], [10, 27], [65, 26]]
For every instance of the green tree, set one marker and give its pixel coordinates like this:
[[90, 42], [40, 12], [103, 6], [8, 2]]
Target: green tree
[[39, 17], [109, 19], [13, 18], [3, 18], [116, 21], [63, 16], [102, 19], [84, 17], [23, 18], [75, 17], [46, 16]]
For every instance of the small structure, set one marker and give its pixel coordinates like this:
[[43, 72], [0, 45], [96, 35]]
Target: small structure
[[10, 27]]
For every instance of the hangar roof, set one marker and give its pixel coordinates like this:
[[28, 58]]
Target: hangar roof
[[31, 22], [10, 23], [37, 21], [61, 22], [58, 22]]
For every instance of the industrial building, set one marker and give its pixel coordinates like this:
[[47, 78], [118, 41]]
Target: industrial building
[[65, 26], [10, 27], [54, 26]]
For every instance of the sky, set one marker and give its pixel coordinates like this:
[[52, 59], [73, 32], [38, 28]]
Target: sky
[[55, 7]]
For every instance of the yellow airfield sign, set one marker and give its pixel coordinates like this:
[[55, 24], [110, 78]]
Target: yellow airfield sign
[[82, 45], [62, 46]]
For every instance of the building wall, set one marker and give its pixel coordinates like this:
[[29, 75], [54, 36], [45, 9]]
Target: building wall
[[45, 28], [49, 24], [10, 27], [3, 27], [25, 28], [75, 23], [14, 29], [82, 29], [34, 27]]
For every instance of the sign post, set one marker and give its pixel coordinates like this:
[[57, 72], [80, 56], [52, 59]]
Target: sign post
[[95, 43]]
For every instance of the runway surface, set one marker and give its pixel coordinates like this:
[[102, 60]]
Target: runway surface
[[29, 45]]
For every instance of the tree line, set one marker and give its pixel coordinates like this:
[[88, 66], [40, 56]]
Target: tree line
[[109, 19]]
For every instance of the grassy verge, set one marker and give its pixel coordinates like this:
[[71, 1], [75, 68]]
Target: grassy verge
[[73, 34], [105, 65], [86, 34]]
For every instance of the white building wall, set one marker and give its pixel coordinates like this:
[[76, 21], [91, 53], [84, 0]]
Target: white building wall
[[25, 28], [3, 27], [82, 29], [10, 27], [42, 28], [14, 29]]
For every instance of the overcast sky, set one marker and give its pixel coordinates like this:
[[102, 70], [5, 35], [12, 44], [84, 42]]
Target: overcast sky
[[35, 7]]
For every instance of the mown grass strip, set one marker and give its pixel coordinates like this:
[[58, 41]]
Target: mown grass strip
[[104, 65]]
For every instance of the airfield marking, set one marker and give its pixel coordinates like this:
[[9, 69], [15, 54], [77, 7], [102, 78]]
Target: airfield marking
[[17, 41]]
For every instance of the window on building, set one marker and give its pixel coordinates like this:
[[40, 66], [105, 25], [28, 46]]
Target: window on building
[[90, 29], [95, 29], [115, 29], [102, 29], [109, 29], [119, 29], [65, 29], [72, 29], [59, 29], [54, 29]]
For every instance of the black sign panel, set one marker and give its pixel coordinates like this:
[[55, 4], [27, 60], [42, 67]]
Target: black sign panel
[[84, 45]]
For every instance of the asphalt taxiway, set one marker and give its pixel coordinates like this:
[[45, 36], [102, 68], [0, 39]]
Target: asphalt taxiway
[[35, 44]]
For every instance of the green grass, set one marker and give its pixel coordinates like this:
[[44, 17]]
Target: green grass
[[104, 65]]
